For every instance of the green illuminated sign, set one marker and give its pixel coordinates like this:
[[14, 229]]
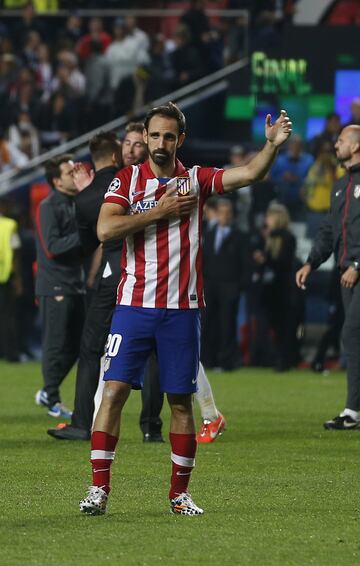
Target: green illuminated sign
[[278, 76]]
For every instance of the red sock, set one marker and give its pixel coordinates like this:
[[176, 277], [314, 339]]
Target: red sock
[[183, 448], [102, 455]]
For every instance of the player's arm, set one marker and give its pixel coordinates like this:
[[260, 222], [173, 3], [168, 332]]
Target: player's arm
[[256, 169], [115, 223]]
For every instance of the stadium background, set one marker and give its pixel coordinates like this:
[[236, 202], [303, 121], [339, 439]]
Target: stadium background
[[254, 58]]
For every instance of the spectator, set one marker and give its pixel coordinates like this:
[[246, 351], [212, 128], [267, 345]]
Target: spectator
[[210, 214], [25, 303], [10, 156], [234, 33], [69, 36], [30, 54], [10, 283], [318, 184], [24, 97], [281, 299], [266, 35], [288, 174], [141, 37], [330, 134], [76, 79], [224, 251], [124, 56], [196, 21], [56, 122], [185, 58], [61, 83], [8, 74], [263, 193], [98, 94], [96, 33], [44, 71], [29, 22], [161, 73], [24, 136]]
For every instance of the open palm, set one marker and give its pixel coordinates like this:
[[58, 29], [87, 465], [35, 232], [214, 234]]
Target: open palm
[[278, 132]]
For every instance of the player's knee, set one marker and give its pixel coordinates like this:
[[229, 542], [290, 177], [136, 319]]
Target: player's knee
[[181, 405], [115, 393]]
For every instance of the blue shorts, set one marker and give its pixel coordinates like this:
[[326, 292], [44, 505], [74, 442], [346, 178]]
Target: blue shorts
[[173, 334]]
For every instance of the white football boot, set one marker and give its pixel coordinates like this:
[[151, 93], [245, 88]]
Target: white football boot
[[95, 501]]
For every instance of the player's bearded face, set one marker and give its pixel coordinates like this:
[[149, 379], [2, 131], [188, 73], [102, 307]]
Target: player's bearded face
[[161, 156], [162, 139]]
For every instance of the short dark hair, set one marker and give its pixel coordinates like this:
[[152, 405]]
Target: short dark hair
[[103, 145], [52, 167], [169, 110], [134, 127]]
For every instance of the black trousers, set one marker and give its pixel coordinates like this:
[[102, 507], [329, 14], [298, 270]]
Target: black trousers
[[351, 342], [152, 399], [62, 322], [219, 345], [8, 334], [93, 341]]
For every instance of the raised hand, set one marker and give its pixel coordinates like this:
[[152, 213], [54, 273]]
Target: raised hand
[[82, 178], [278, 132]]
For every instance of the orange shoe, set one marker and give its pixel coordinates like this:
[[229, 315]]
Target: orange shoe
[[211, 429]]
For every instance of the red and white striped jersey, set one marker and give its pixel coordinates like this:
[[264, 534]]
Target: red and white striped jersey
[[162, 264]]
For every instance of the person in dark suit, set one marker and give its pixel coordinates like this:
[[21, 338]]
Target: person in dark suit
[[224, 253], [281, 300]]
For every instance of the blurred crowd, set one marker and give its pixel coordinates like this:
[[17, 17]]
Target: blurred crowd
[[57, 82]]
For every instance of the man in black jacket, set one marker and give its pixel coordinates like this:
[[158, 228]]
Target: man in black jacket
[[340, 234], [107, 156], [59, 282], [224, 252]]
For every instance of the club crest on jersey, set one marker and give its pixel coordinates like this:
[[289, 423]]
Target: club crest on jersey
[[357, 191], [183, 185], [114, 185]]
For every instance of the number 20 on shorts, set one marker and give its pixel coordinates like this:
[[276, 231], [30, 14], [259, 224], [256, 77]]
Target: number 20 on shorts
[[113, 345]]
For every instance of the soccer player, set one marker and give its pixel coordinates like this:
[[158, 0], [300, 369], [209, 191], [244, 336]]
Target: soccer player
[[157, 208]]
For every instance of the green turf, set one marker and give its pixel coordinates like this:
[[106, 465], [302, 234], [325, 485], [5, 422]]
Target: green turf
[[277, 488]]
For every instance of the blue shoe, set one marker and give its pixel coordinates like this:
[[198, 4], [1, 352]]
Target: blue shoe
[[59, 410], [41, 398]]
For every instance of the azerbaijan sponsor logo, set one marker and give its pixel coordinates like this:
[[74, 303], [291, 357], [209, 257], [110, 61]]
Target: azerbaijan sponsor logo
[[142, 206]]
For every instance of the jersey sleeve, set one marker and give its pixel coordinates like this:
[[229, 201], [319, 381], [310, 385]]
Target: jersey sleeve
[[210, 181], [119, 189]]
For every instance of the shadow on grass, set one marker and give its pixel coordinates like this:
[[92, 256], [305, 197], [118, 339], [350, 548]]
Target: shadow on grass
[[76, 520]]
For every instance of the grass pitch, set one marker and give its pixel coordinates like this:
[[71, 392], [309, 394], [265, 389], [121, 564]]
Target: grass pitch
[[277, 488]]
